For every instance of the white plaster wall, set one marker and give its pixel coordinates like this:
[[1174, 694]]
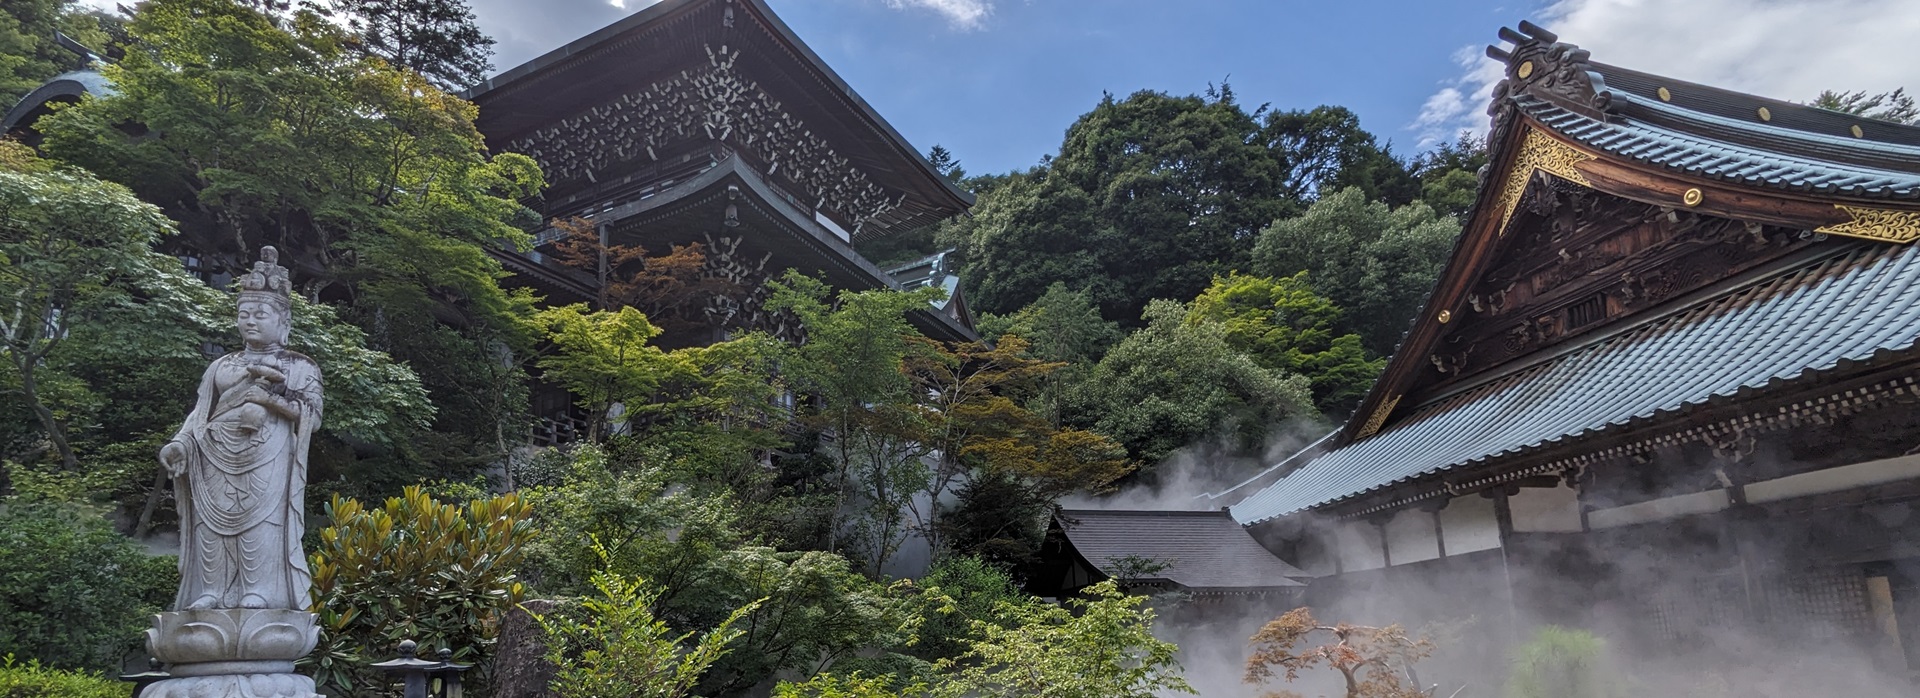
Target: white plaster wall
[[1545, 510], [1468, 525], [1411, 538], [1359, 544], [1660, 509]]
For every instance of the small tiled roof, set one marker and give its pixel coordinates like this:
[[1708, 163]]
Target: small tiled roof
[[1835, 165], [1850, 307], [1203, 550]]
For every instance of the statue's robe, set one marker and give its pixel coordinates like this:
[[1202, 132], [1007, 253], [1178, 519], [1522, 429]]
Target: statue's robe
[[241, 496]]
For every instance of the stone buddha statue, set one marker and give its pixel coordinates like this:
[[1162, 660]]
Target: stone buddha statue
[[239, 468], [239, 462]]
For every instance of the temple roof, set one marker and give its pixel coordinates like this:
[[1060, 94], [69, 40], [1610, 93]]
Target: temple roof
[[722, 70], [1800, 149], [1843, 309], [1202, 550], [1565, 125]]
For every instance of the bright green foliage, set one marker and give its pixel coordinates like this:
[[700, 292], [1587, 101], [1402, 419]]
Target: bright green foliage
[[1099, 647], [1174, 383], [413, 569], [1563, 663], [1376, 263], [1284, 326], [968, 590], [818, 612], [603, 358], [854, 685], [29, 679], [628, 518], [70, 245], [73, 593], [631, 520], [852, 360], [613, 646]]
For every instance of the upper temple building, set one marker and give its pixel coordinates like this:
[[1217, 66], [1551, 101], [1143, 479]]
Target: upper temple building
[[709, 122]]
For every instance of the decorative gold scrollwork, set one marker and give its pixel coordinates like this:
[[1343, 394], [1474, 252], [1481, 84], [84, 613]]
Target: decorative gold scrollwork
[[1539, 152], [1379, 417], [1876, 224]]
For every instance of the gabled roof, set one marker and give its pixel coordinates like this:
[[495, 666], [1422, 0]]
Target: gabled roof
[[610, 77], [1202, 550], [1562, 120], [1662, 142], [1854, 307]]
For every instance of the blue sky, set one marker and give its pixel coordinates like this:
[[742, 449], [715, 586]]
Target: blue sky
[[998, 81]]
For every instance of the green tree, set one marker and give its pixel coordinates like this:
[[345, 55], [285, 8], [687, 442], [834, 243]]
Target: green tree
[[1149, 197], [617, 648], [1173, 384], [1285, 327], [1061, 326], [74, 594], [604, 359], [435, 38], [70, 245], [1450, 174], [851, 362], [816, 610], [1098, 647], [1375, 262], [970, 590], [1896, 106], [1323, 150]]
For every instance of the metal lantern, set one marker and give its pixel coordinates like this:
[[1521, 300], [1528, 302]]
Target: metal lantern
[[142, 680], [425, 679]]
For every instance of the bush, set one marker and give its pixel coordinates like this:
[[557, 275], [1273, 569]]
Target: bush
[[74, 594], [414, 569], [1563, 663], [32, 680]]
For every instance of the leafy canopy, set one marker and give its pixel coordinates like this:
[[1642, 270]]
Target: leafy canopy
[[1377, 263], [1284, 326]]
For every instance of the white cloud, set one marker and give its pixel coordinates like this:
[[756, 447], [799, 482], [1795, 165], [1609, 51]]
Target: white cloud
[[1785, 49], [962, 14]]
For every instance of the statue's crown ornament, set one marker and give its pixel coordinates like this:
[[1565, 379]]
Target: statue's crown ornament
[[268, 282]]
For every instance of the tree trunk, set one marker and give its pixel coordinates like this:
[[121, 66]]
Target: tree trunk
[[144, 525], [29, 388]]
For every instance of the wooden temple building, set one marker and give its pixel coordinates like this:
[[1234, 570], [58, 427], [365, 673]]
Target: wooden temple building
[[1667, 388], [709, 122]]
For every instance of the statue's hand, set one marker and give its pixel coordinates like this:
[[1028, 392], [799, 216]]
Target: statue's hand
[[173, 457], [269, 373]]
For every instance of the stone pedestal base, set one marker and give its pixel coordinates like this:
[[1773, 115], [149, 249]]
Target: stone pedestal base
[[232, 653], [234, 686]]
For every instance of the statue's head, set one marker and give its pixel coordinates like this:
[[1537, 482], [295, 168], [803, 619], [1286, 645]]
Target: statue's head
[[266, 303]]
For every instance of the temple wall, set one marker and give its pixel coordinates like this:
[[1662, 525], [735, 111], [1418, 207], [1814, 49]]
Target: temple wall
[[1469, 524], [1359, 545], [1546, 510], [1411, 537]]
